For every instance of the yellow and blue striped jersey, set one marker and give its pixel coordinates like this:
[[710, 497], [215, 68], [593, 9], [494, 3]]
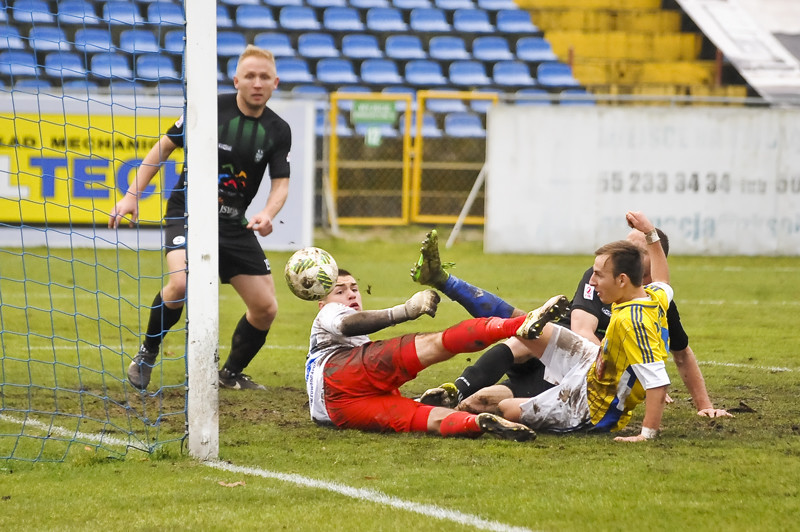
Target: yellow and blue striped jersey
[[635, 351]]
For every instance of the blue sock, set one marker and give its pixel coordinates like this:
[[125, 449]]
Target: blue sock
[[478, 302]]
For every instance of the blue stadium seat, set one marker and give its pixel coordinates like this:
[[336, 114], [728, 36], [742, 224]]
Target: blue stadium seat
[[512, 74], [239, 2], [491, 48], [277, 43], [387, 130], [576, 97], [283, 3], [322, 4], [92, 40], [346, 104], [404, 47], [468, 74], [386, 19], [32, 12], [45, 39], [319, 95], [556, 75], [119, 12], [496, 5], [361, 46], [230, 43], [444, 105], [336, 72], [17, 63], [84, 86], [10, 39], [166, 13], [368, 4], [298, 18], [224, 19], [64, 65], [380, 72], [316, 45], [344, 19], [482, 106], [452, 5], [230, 67], [77, 13], [515, 21], [154, 67], [400, 105], [33, 86], [342, 128], [293, 70], [428, 20], [175, 42], [255, 17], [472, 21], [429, 127], [110, 65], [535, 50], [464, 125], [448, 48], [424, 73], [408, 5], [532, 97], [138, 41]]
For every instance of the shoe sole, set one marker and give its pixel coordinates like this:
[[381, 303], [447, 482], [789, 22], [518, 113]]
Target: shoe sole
[[446, 396], [491, 424], [553, 310]]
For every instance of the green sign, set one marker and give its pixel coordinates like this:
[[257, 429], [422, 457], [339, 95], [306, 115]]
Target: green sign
[[373, 136], [373, 112]]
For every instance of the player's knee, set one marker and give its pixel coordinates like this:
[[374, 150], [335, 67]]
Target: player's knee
[[510, 410]]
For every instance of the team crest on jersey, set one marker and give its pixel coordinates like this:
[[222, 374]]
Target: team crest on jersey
[[588, 291], [259, 155]]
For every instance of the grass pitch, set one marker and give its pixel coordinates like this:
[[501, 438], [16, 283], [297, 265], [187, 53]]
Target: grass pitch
[[279, 471]]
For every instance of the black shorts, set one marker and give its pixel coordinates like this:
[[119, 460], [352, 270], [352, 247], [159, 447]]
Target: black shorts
[[527, 379], [239, 250]]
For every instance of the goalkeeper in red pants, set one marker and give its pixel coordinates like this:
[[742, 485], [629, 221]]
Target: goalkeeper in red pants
[[353, 382]]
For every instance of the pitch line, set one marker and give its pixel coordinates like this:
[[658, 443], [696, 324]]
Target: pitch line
[[368, 495]]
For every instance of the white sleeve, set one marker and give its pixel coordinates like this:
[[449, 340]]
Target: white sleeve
[[651, 374], [666, 288]]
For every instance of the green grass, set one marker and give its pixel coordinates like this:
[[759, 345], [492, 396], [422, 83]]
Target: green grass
[[734, 474]]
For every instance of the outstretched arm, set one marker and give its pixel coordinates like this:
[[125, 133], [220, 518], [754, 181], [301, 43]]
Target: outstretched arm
[[370, 321], [653, 410]]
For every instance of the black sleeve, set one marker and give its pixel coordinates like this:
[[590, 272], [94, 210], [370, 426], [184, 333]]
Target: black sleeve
[[279, 162], [175, 133], [586, 299], [678, 339]]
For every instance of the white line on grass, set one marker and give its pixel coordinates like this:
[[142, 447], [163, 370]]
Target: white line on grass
[[428, 510], [61, 431]]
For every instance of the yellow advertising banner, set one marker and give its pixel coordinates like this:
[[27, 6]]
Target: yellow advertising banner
[[73, 168]]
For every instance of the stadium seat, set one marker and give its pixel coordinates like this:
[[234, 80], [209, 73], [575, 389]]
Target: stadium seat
[[343, 19], [496, 5], [368, 4], [424, 73], [386, 20], [239, 2], [556, 75], [277, 43], [380, 72], [298, 18], [18, 63], [429, 127], [404, 47], [464, 125], [408, 5], [84, 86], [92, 40], [515, 21], [532, 97], [138, 41], [283, 3], [293, 70], [468, 74], [110, 65], [444, 105], [175, 42], [322, 4], [319, 95], [316, 45], [32, 12], [33, 86], [121, 13], [448, 48], [491, 48], [76, 13], [576, 97], [535, 50], [472, 21], [452, 5], [224, 19], [10, 39], [230, 43], [428, 20], [255, 17], [361, 46], [336, 72], [44, 39], [165, 13], [482, 106], [346, 104], [400, 105], [387, 130], [64, 65], [230, 67], [342, 128], [154, 67], [512, 74]]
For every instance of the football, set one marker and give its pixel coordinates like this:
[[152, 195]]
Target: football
[[311, 273]]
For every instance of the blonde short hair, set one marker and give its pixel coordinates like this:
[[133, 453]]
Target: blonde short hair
[[254, 51]]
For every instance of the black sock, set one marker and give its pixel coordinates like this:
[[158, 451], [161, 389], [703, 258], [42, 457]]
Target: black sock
[[489, 369], [162, 318], [246, 342]]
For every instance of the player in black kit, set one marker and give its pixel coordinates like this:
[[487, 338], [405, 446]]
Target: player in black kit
[[251, 137]]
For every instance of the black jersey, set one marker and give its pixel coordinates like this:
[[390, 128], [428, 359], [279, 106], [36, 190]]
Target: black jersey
[[246, 147]]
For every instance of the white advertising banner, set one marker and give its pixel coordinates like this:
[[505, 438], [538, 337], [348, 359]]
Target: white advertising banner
[[719, 181]]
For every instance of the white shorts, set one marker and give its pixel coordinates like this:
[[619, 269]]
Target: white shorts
[[563, 408]]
